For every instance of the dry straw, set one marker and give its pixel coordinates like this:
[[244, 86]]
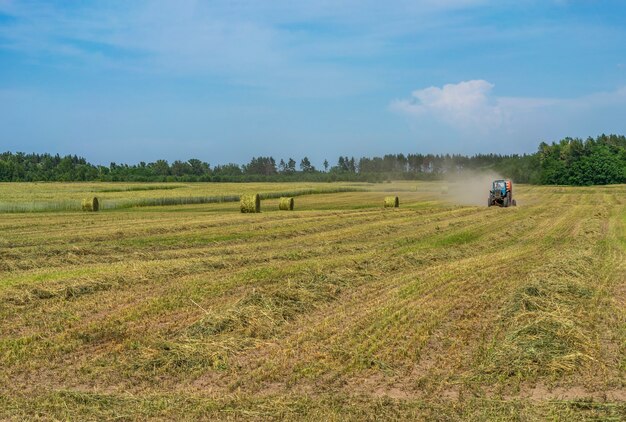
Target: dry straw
[[250, 203], [444, 190], [91, 204], [392, 202], [286, 204]]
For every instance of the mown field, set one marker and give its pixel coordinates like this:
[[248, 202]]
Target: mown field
[[340, 310], [48, 197]]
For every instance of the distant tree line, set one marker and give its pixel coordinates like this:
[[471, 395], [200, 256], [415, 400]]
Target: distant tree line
[[597, 161], [569, 162]]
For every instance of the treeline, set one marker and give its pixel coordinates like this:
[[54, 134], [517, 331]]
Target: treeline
[[599, 161], [570, 161]]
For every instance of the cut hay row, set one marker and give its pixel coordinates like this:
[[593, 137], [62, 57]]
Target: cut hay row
[[113, 204], [169, 201], [286, 204], [250, 203], [39, 206], [137, 188], [301, 192], [392, 202], [91, 204]]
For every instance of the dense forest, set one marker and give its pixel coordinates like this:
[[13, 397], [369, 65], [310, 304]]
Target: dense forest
[[568, 162]]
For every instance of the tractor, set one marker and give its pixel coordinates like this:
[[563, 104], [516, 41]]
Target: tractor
[[501, 194]]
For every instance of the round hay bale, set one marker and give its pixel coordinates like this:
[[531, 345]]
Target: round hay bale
[[392, 202], [250, 203], [91, 204], [286, 204]]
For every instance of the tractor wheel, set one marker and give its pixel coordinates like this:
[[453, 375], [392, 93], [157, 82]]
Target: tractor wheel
[[489, 202]]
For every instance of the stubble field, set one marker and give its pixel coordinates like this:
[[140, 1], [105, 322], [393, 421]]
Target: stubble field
[[339, 310]]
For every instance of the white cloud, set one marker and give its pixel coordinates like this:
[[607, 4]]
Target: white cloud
[[471, 105], [466, 105], [480, 118]]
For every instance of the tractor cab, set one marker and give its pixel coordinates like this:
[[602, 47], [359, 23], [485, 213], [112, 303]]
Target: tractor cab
[[499, 186], [501, 193]]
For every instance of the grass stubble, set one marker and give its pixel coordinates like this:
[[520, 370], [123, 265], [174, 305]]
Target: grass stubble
[[338, 310]]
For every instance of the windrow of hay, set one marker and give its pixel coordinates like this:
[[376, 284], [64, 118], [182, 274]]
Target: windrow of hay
[[546, 328], [250, 203], [392, 202], [49, 202], [286, 204], [262, 311], [91, 204], [40, 206], [195, 200], [137, 188]]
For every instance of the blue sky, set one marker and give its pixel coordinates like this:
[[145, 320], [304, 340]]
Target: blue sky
[[226, 80]]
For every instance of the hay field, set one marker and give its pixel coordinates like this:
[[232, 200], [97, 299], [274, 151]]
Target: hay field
[[48, 197], [339, 310]]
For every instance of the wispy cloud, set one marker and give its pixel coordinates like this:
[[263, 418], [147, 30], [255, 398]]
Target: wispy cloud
[[189, 27], [245, 42]]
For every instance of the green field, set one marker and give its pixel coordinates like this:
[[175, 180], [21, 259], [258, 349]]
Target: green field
[[339, 310]]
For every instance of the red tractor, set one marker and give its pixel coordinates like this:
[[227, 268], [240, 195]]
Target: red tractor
[[501, 194]]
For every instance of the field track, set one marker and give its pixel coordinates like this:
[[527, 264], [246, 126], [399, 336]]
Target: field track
[[338, 310]]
